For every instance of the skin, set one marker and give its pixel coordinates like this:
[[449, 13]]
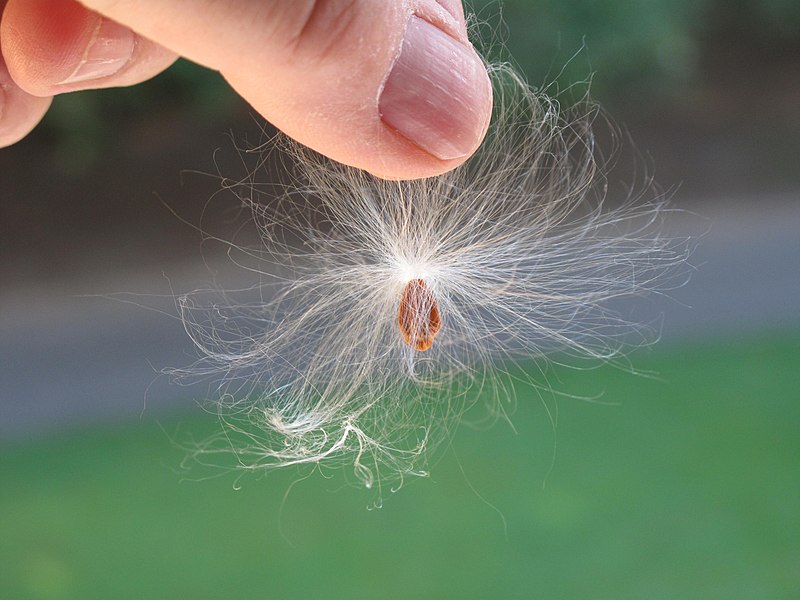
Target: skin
[[313, 68]]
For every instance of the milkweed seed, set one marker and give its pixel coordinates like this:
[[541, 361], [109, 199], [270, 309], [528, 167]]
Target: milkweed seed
[[418, 318]]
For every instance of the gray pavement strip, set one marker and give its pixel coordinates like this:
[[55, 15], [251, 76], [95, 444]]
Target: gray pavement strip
[[70, 358]]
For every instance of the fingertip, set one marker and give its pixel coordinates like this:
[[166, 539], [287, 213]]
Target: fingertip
[[57, 46], [20, 112], [419, 107], [454, 7], [320, 72]]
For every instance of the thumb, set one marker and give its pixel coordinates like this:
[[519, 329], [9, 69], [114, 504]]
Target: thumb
[[390, 86]]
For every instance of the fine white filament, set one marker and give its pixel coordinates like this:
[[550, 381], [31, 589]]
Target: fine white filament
[[518, 247]]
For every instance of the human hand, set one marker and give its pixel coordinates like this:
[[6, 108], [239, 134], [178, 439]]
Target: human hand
[[390, 86]]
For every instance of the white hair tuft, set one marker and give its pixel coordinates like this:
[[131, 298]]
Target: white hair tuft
[[517, 252]]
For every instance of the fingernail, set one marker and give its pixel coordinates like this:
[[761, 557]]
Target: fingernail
[[438, 93], [109, 49]]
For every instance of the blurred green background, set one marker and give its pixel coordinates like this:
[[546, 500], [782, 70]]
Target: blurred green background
[[687, 489], [682, 482]]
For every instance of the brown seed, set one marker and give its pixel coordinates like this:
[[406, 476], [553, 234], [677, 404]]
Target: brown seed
[[418, 317]]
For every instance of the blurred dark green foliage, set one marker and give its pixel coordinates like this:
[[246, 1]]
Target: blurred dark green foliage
[[622, 42], [184, 86], [781, 17], [80, 127], [645, 46]]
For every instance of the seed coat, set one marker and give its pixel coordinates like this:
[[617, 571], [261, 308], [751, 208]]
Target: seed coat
[[418, 317]]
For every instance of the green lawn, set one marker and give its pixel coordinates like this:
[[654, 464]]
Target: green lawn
[[689, 487]]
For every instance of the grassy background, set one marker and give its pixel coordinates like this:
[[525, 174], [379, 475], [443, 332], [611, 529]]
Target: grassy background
[[688, 488]]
